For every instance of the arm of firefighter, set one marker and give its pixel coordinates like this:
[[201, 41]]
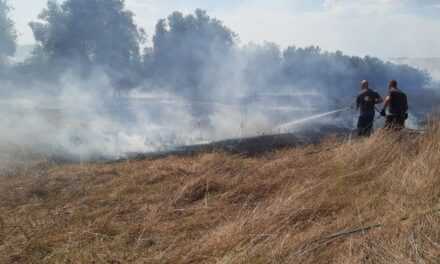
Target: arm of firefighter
[[386, 103], [385, 106]]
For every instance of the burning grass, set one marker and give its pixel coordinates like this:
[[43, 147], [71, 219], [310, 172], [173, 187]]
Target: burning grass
[[372, 200]]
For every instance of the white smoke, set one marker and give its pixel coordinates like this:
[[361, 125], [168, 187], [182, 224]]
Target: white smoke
[[86, 119]]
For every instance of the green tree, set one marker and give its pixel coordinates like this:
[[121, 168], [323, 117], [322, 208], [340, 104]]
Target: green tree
[[188, 47], [8, 35], [90, 32]]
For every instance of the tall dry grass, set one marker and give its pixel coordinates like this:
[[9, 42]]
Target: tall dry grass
[[372, 200]]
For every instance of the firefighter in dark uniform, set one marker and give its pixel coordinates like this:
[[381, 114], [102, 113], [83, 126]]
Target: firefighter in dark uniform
[[365, 103], [395, 107]]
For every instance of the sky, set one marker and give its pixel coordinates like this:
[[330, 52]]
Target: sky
[[382, 28]]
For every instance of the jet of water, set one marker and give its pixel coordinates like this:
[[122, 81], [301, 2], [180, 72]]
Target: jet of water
[[284, 127]]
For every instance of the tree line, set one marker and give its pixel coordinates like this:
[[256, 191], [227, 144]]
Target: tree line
[[193, 55]]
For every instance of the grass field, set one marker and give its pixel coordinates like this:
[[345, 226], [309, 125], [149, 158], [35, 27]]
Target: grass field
[[374, 200]]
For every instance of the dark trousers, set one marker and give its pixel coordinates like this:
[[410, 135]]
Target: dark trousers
[[365, 125], [396, 122]]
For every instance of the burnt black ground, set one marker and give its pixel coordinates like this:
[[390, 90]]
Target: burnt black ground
[[251, 146]]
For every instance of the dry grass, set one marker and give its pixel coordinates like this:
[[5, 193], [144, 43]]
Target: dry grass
[[284, 207]]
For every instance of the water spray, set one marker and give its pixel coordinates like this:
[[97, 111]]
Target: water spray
[[308, 119]]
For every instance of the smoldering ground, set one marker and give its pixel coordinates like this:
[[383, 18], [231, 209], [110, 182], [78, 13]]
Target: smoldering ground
[[83, 123]]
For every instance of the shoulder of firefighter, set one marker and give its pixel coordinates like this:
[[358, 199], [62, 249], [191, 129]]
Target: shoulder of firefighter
[[369, 96]]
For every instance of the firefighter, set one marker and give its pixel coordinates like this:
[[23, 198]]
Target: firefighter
[[366, 104], [395, 107]]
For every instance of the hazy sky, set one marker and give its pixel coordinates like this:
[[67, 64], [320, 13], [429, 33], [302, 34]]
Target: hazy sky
[[384, 28]]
